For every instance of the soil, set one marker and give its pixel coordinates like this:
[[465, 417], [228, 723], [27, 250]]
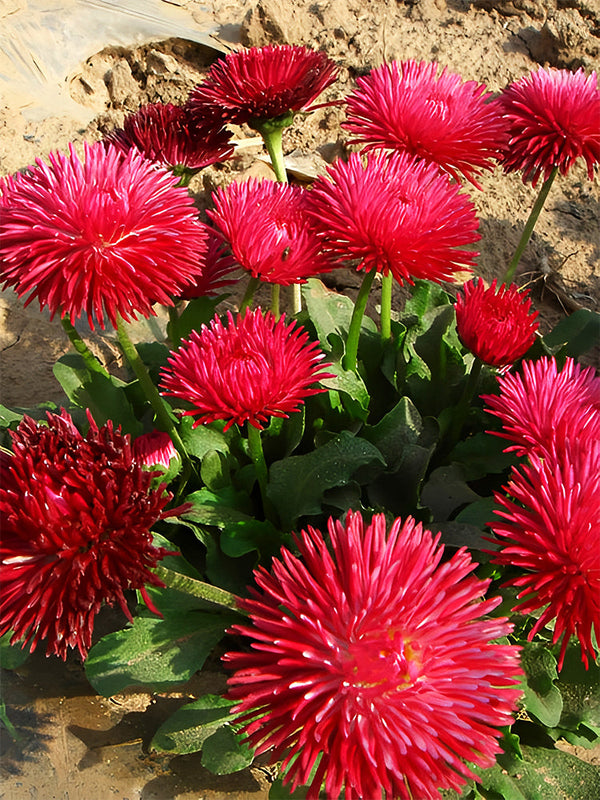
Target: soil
[[72, 743]]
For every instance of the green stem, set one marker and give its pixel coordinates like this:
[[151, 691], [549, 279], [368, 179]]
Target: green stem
[[90, 359], [275, 294], [253, 285], [529, 226], [296, 298], [386, 306], [195, 588], [260, 465], [272, 135], [174, 326], [163, 416], [357, 316], [462, 409]]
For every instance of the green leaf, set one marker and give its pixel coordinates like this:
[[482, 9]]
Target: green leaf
[[4, 720], [154, 652], [214, 470], [425, 296], [348, 382], [482, 454], [574, 335], [542, 699], [12, 656], [239, 538], [189, 727], [446, 490], [224, 752], [580, 690], [479, 513], [217, 508], [296, 484], [198, 441], [398, 429], [198, 312], [8, 416]]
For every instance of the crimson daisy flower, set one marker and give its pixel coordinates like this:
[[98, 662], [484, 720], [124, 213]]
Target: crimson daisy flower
[[550, 528], [110, 235], [218, 268], [543, 406], [253, 368], [553, 118], [375, 661], [497, 326], [407, 106], [76, 518], [394, 214], [170, 136], [269, 231], [262, 83]]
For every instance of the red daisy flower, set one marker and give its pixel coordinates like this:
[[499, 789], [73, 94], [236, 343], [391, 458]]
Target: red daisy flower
[[170, 136], [542, 407], [551, 529], [407, 106], [396, 214], [553, 119], [495, 325], [262, 83], [154, 449], [77, 513], [376, 659], [218, 268], [110, 235], [269, 231], [253, 368]]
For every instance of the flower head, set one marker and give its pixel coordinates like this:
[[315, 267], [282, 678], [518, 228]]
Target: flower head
[[107, 236], [77, 513], [376, 656], [218, 269], [262, 83], [394, 214], [550, 528], [543, 406], [154, 449], [253, 368], [553, 118], [407, 106], [497, 326], [269, 230], [170, 136]]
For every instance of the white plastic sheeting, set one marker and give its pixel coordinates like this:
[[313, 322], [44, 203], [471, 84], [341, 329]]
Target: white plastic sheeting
[[43, 41]]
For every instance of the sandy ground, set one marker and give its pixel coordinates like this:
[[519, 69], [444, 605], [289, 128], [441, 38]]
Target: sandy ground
[[75, 745]]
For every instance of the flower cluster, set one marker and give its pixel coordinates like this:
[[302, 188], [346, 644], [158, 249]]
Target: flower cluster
[[550, 515], [374, 663], [76, 518]]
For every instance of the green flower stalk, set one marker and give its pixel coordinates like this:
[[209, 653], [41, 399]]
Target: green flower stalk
[[84, 351], [360, 305]]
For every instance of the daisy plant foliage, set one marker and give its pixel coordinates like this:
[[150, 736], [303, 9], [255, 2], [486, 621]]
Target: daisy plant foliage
[[384, 519]]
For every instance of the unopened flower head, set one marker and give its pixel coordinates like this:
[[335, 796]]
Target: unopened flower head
[[394, 214], [77, 512], [169, 135], [442, 119], [154, 449], [269, 231], [110, 235], [553, 118], [248, 370], [374, 662], [262, 83], [496, 325]]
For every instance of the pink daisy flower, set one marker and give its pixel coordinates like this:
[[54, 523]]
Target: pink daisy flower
[[407, 106], [249, 370], [168, 135], [374, 660], [496, 325], [269, 231], [553, 118], [218, 269], [76, 518], [262, 83], [550, 528], [543, 406], [111, 235], [394, 214]]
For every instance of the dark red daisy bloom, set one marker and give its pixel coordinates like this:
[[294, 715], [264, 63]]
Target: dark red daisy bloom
[[394, 214], [550, 528], [262, 83], [543, 406], [375, 661], [269, 231], [154, 449], [108, 235], [496, 325], [253, 368], [170, 136], [407, 106], [553, 118], [76, 518], [218, 269]]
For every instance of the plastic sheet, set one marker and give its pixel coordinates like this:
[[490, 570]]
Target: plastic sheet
[[43, 41]]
